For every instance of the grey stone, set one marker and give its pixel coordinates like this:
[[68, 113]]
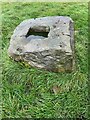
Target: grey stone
[[46, 43]]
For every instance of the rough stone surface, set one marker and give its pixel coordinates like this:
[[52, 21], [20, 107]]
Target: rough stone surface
[[46, 43]]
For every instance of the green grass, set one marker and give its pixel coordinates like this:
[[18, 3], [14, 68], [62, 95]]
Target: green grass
[[29, 92]]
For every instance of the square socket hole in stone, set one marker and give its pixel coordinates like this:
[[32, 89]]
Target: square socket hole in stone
[[38, 32]]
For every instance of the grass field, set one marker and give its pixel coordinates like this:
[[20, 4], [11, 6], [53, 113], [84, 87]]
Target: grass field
[[32, 93]]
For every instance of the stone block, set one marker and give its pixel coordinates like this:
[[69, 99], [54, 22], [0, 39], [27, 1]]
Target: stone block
[[46, 43]]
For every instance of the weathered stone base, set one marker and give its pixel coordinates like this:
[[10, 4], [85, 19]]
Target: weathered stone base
[[46, 43]]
